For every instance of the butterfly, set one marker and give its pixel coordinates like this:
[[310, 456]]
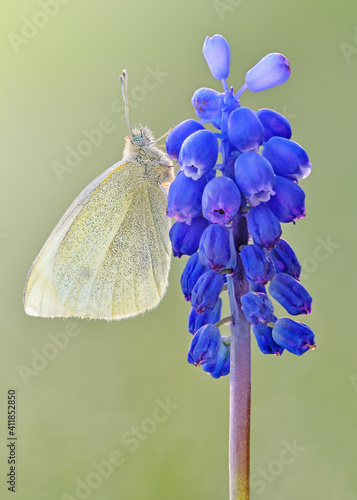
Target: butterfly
[[109, 255]]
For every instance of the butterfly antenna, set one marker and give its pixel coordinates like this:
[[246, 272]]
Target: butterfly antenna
[[124, 87], [166, 133]]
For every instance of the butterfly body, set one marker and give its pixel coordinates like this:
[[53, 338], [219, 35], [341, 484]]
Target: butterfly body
[[109, 255]]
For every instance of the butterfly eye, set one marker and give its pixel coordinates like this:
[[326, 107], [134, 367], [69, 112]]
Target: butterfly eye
[[137, 140]]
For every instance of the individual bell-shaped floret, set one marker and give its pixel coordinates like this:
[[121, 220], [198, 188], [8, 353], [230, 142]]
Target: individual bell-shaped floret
[[274, 124], [263, 226], [207, 103], [178, 134], [186, 238], [290, 294], [288, 203], [287, 158], [193, 270], [245, 130], [209, 316], [257, 308], [270, 71], [206, 291], [258, 267], [217, 53], [221, 200], [185, 198], [198, 154], [220, 365], [255, 177], [295, 337], [265, 341], [285, 260], [204, 345], [216, 249]]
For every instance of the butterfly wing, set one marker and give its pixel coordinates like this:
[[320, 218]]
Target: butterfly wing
[[109, 255]]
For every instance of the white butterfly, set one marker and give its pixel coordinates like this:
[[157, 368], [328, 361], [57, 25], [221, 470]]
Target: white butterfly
[[109, 255]]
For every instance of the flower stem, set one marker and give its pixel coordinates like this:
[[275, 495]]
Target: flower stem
[[240, 375], [224, 321]]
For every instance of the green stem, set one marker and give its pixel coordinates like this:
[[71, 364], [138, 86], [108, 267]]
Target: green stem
[[240, 375], [224, 321]]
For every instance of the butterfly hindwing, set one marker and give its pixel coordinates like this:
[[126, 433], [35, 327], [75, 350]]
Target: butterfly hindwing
[[109, 255]]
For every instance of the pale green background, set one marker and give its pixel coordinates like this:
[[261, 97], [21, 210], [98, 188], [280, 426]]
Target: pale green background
[[107, 379]]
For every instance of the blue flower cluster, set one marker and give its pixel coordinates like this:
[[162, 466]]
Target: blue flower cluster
[[250, 168]]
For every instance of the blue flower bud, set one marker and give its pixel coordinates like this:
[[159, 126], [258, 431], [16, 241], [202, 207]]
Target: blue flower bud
[[193, 270], [216, 249], [178, 134], [206, 291], [257, 308], [263, 226], [185, 198], [255, 177], [204, 345], [290, 294], [265, 341], [288, 203], [217, 53], [258, 267], [221, 200], [220, 365], [295, 337], [285, 260], [207, 103], [199, 153], [245, 130], [209, 316], [274, 124], [287, 158], [184, 238], [270, 71]]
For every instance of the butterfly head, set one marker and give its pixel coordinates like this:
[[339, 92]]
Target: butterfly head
[[142, 137], [142, 144]]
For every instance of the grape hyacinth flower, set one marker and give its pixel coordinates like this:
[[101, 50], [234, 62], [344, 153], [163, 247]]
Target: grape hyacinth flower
[[193, 270], [185, 238], [207, 103], [206, 291], [255, 177], [216, 250], [221, 200], [290, 294], [179, 134], [236, 189], [245, 130], [274, 124], [209, 316], [263, 226], [287, 158], [257, 308], [198, 154], [293, 336], [185, 200], [284, 259], [257, 265], [210, 351], [288, 203], [263, 336]]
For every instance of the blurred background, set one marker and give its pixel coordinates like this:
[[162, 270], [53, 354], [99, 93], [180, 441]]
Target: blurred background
[[113, 410]]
